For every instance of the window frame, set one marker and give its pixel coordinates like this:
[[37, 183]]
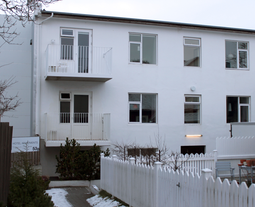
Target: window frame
[[69, 100], [239, 105], [192, 45], [140, 108], [237, 51], [194, 103], [141, 48]]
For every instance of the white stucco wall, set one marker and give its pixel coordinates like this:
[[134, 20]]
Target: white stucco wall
[[16, 59], [168, 78]]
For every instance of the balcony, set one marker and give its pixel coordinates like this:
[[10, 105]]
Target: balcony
[[78, 63], [87, 128]]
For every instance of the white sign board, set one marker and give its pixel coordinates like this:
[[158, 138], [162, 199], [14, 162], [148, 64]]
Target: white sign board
[[25, 144]]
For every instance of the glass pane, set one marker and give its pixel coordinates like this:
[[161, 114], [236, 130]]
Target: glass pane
[[148, 108], [244, 113], [242, 45], [65, 95], [134, 97], [244, 100], [191, 41], [64, 112], [232, 109], [149, 49], [242, 59], [191, 113], [231, 54], [134, 52], [67, 32], [134, 113], [66, 48], [135, 37], [191, 56], [81, 108], [191, 99], [83, 52]]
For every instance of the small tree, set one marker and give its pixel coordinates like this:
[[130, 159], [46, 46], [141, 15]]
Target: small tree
[[68, 158], [27, 188]]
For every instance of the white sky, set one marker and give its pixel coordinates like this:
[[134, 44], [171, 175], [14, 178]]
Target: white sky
[[228, 13]]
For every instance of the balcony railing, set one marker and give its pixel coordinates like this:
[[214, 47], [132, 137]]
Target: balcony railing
[[80, 126], [68, 61]]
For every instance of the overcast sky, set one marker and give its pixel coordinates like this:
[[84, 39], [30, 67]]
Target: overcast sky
[[228, 13]]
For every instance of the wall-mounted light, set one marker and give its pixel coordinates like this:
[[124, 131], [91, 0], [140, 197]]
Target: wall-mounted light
[[193, 135], [192, 88]]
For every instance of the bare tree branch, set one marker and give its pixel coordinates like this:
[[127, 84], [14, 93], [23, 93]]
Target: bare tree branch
[[7, 103]]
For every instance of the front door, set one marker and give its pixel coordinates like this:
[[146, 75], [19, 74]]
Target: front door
[[81, 117]]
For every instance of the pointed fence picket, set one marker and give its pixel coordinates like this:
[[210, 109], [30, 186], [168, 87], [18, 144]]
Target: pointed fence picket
[[156, 186]]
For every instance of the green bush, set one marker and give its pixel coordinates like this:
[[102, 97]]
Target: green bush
[[27, 188], [73, 163]]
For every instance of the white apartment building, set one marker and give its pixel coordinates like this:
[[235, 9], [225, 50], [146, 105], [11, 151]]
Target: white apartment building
[[109, 80]]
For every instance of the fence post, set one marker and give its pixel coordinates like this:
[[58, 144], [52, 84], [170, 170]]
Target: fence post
[[131, 163], [206, 173], [101, 171], [156, 168], [215, 154]]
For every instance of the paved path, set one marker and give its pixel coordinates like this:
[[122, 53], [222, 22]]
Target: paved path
[[77, 196]]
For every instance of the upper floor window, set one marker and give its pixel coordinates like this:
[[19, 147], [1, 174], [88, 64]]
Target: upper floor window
[[142, 108], [192, 52], [237, 54], [142, 48], [238, 109], [192, 110]]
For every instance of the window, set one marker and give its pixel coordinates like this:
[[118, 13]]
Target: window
[[237, 54], [238, 109], [193, 149], [192, 109], [79, 105], [65, 99], [142, 108], [142, 48], [191, 52]]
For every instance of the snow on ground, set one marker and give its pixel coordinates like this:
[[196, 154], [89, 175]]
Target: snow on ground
[[97, 201], [59, 197]]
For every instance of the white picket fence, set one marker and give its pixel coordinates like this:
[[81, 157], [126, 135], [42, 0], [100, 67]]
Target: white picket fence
[[148, 186]]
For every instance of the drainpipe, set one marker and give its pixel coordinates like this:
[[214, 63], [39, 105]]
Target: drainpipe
[[37, 76], [47, 18]]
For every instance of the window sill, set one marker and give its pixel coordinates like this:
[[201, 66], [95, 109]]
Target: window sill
[[240, 69], [139, 123], [131, 63]]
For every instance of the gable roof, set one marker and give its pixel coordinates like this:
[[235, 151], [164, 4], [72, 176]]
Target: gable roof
[[145, 22]]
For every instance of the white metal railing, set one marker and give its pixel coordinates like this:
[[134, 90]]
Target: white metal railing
[[71, 59], [153, 186], [80, 126]]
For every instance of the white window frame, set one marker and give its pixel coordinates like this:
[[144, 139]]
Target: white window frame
[[237, 51], [193, 45], [194, 103], [239, 107], [141, 46], [140, 108], [66, 35]]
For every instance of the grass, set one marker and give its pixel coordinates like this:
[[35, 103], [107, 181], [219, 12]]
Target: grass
[[105, 194]]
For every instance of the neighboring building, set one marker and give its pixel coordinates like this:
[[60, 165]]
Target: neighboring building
[[16, 64], [108, 80]]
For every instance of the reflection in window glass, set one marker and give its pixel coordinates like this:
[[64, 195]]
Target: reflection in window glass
[[66, 48], [236, 54], [134, 52], [192, 109], [192, 52], [142, 108], [142, 48], [149, 49], [244, 113]]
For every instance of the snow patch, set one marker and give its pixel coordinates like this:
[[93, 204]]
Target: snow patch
[[58, 197]]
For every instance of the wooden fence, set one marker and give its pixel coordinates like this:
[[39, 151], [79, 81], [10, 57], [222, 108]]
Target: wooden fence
[[5, 160], [140, 185], [33, 157]]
